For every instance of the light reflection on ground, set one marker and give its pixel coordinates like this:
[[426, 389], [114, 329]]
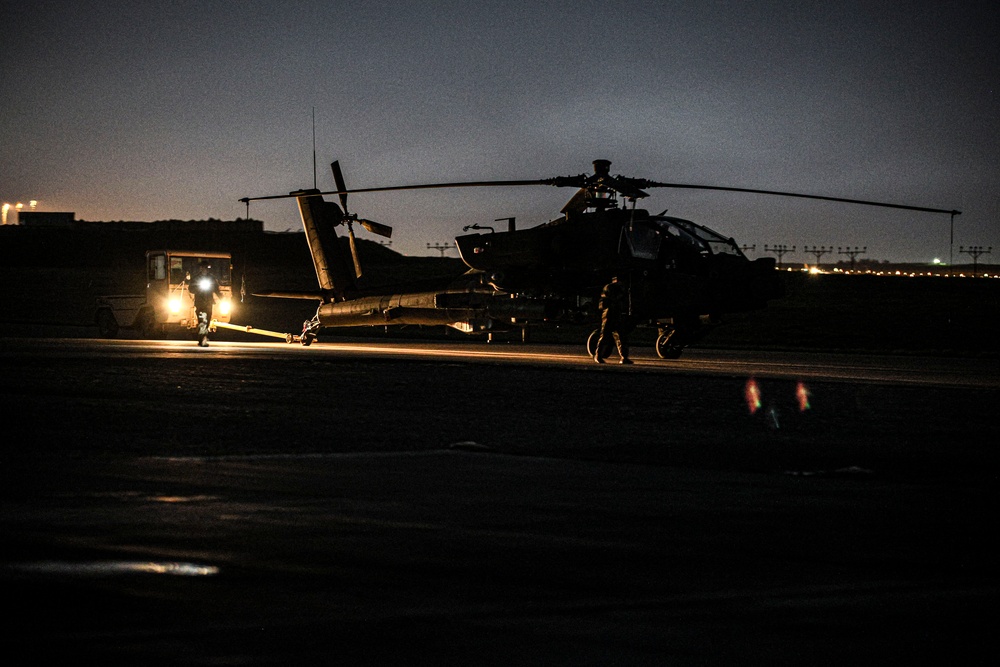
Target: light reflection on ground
[[110, 568]]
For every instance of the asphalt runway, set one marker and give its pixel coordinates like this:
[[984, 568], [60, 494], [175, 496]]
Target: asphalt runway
[[395, 502]]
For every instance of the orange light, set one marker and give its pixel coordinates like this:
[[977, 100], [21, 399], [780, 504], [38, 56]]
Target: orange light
[[802, 394], [752, 395]]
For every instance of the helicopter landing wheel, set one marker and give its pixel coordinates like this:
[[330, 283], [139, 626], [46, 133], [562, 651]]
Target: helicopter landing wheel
[[592, 339], [665, 349]]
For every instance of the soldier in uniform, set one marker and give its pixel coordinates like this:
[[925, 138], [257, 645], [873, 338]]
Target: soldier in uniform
[[616, 320], [205, 288]]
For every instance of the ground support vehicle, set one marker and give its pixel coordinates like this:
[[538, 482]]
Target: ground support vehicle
[[168, 305]]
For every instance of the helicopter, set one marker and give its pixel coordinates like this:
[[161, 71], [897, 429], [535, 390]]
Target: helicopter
[[682, 277]]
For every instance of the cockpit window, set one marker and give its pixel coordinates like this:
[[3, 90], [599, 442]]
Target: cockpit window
[[182, 266], [157, 269], [643, 241], [707, 240]]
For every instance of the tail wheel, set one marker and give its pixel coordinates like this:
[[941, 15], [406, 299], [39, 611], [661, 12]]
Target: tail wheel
[[309, 329]]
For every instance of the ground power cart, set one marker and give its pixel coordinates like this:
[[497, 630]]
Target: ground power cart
[[168, 305]]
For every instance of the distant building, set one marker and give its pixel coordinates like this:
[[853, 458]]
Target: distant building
[[210, 225], [53, 220], [46, 219]]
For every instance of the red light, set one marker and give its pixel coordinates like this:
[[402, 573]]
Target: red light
[[802, 394], [752, 395]]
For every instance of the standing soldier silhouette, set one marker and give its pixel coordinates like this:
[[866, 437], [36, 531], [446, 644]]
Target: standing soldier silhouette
[[205, 288], [616, 320]]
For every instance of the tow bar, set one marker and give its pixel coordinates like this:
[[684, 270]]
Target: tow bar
[[289, 338]]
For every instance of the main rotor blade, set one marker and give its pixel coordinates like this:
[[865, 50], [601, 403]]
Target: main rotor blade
[[377, 228], [424, 186], [354, 253], [338, 179], [653, 184], [581, 182]]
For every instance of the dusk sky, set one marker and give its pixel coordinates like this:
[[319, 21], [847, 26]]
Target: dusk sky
[[177, 109]]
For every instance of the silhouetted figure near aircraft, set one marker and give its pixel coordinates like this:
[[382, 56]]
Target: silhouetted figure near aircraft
[[615, 321], [205, 288]]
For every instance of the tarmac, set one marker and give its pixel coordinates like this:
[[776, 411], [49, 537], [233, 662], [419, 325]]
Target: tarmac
[[259, 505]]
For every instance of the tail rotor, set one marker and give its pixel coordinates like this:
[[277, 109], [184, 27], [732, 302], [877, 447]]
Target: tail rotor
[[349, 218]]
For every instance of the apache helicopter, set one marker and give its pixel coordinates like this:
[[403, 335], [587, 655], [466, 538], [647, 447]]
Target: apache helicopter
[[682, 277]]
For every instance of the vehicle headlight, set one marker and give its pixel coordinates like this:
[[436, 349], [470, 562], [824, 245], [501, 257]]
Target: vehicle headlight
[[225, 306], [174, 304]]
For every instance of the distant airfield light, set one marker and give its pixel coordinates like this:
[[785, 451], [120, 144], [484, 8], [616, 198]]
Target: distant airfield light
[[17, 207], [752, 395]]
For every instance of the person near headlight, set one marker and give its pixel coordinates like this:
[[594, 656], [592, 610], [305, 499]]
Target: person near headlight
[[205, 288]]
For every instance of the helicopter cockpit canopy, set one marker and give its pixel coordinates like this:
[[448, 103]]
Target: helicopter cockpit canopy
[[705, 240]]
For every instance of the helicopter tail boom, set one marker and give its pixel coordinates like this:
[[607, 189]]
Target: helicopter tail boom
[[468, 310]]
